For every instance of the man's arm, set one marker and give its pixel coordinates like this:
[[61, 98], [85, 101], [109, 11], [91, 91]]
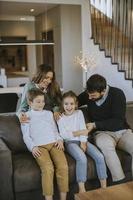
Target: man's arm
[[117, 119]]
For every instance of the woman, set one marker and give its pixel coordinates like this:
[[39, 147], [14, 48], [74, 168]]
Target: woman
[[44, 80]]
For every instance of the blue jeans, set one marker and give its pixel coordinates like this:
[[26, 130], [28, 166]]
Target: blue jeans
[[73, 148]]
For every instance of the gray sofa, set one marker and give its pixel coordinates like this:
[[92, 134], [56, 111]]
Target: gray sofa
[[19, 173]]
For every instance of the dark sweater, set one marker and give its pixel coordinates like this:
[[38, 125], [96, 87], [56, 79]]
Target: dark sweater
[[110, 116]]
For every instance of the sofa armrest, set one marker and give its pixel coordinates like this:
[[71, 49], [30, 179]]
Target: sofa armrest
[[6, 186]]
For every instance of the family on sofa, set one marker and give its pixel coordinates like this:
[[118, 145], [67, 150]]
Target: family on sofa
[[106, 109]]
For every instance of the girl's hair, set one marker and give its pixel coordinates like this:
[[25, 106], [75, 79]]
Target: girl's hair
[[72, 95], [53, 88], [33, 93]]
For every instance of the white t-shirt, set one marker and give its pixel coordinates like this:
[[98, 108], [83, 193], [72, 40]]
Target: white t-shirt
[[40, 130], [69, 123]]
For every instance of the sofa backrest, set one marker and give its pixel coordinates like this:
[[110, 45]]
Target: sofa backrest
[[10, 132]]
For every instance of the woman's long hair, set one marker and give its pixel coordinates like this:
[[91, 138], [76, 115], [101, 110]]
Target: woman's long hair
[[53, 88]]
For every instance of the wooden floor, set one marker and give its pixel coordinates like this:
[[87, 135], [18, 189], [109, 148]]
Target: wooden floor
[[117, 192]]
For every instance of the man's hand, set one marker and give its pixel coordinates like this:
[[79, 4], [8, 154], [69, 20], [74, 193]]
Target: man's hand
[[23, 118], [83, 146], [59, 144], [57, 116], [36, 152], [90, 126]]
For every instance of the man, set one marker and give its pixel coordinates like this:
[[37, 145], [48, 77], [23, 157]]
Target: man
[[106, 109]]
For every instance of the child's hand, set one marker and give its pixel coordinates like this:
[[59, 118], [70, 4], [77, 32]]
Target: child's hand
[[36, 152], [57, 116], [59, 144], [81, 132], [85, 132], [83, 146], [90, 126], [23, 118]]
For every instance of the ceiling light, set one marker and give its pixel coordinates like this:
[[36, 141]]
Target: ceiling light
[[32, 10]]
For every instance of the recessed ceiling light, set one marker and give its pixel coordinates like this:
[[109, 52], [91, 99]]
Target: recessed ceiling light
[[32, 10], [22, 18]]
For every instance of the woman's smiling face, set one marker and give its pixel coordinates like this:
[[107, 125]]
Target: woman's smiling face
[[45, 82]]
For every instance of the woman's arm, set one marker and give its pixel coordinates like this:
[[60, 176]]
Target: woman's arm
[[24, 107]]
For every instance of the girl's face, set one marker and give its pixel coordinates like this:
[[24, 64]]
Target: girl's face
[[38, 103], [69, 105], [44, 83]]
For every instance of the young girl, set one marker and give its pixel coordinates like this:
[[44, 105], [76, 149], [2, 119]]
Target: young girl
[[43, 140], [73, 130]]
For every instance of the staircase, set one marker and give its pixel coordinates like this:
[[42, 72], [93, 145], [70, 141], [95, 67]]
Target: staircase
[[115, 34]]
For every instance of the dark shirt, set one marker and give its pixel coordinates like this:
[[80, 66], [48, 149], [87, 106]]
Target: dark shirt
[[110, 116]]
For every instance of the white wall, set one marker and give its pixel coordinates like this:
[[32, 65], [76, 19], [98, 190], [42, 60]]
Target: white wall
[[104, 6], [71, 46]]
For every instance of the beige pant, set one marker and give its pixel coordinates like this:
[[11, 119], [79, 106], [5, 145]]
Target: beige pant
[[107, 141], [53, 159]]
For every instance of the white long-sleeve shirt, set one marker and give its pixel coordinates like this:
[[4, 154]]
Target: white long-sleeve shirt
[[40, 130], [67, 124]]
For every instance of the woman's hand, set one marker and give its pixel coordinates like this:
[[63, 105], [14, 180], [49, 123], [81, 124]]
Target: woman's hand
[[83, 146], [57, 115], [59, 144], [23, 118], [36, 152]]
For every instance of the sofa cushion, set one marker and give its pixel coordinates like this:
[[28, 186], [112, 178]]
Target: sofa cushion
[[10, 132], [26, 173], [126, 160]]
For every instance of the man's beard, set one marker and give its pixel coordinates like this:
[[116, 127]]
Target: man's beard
[[97, 98]]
